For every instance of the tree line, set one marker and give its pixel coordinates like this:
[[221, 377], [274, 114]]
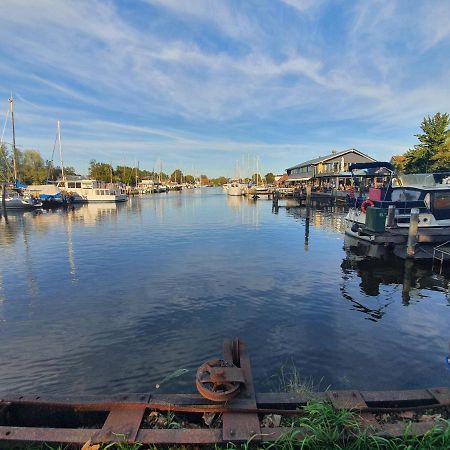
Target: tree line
[[31, 168], [432, 153]]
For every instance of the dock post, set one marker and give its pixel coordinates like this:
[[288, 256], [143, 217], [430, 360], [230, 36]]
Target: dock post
[[308, 194], [412, 233], [391, 216], [4, 198], [275, 199], [307, 220]]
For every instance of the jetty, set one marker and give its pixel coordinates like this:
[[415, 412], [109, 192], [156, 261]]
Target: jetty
[[226, 409]]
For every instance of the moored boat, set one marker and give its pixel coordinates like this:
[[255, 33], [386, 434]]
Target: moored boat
[[429, 193], [82, 190]]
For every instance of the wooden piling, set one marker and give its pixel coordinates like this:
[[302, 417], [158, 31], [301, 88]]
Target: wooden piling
[[308, 194], [391, 216], [4, 198], [412, 233]]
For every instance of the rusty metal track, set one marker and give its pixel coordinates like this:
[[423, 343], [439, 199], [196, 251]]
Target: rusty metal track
[[31, 418]]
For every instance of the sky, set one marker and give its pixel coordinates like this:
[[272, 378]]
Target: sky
[[207, 85]]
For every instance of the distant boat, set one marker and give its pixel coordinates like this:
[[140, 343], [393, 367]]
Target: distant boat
[[236, 188]]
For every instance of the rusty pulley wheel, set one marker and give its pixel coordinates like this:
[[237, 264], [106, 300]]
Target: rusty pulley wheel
[[218, 380]]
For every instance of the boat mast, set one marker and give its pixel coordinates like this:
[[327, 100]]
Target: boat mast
[[136, 175], [60, 150], [11, 109]]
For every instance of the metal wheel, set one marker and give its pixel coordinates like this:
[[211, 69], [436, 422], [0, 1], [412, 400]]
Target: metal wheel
[[214, 382]]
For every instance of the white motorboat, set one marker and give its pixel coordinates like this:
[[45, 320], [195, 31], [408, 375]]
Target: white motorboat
[[236, 188], [14, 201]]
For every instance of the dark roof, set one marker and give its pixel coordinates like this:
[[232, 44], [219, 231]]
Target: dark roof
[[327, 157]]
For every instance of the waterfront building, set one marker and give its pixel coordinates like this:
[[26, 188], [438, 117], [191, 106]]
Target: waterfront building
[[330, 171]]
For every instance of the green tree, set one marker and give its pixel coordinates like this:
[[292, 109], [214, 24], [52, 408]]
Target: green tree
[[55, 173], [31, 168], [5, 164], [270, 178], [398, 161], [220, 181], [177, 176], [189, 179], [100, 171], [432, 151]]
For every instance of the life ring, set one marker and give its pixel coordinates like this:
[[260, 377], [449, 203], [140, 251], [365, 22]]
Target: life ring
[[365, 204]]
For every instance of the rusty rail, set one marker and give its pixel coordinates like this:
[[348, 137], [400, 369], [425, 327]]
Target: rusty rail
[[30, 418]]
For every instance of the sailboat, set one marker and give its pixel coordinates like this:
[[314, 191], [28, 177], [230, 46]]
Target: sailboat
[[11, 199]]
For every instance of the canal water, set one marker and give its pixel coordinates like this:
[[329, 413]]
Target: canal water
[[114, 298]]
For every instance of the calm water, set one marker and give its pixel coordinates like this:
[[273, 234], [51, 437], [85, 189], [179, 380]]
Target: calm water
[[108, 299]]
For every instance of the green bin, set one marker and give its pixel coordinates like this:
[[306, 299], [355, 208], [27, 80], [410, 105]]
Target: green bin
[[376, 219]]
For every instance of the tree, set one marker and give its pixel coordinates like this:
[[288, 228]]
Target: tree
[[432, 152], [5, 164], [54, 173], [189, 179], [100, 171], [270, 178], [31, 167], [398, 161], [177, 176], [220, 181], [204, 180]]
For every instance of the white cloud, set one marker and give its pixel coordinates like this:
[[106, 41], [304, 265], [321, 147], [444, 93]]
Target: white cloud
[[104, 75]]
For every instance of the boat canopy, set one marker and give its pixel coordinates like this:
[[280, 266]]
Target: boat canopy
[[372, 165]]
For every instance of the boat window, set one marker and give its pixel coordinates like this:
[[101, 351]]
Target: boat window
[[405, 195], [78, 185], [441, 200], [71, 185]]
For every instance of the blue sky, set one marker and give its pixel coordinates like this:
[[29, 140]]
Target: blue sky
[[203, 83]]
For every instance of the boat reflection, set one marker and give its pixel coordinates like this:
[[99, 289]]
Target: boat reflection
[[245, 208], [376, 269]]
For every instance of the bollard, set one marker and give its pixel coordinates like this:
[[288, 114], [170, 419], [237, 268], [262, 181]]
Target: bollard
[[391, 216], [412, 233], [4, 199]]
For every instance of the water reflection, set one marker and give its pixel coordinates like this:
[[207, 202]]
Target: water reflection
[[125, 294], [376, 268], [246, 209]]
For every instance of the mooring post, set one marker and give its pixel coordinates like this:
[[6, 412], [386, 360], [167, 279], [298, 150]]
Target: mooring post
[[412, 233], [391, 216], [307, 220], [308, 194], [275, 201], [4, 198]]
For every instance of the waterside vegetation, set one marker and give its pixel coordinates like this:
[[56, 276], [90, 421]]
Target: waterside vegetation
[[432, 154]]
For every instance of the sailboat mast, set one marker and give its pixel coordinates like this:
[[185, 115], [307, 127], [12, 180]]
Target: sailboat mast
[[11, 109], [136, 175], [60, 150]]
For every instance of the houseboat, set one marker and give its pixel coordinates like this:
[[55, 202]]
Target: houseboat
[[87, 191]]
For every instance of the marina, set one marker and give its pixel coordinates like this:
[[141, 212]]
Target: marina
[[225, 225], [340, 301]]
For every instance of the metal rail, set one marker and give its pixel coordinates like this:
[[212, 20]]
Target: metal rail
[[126, 417]]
